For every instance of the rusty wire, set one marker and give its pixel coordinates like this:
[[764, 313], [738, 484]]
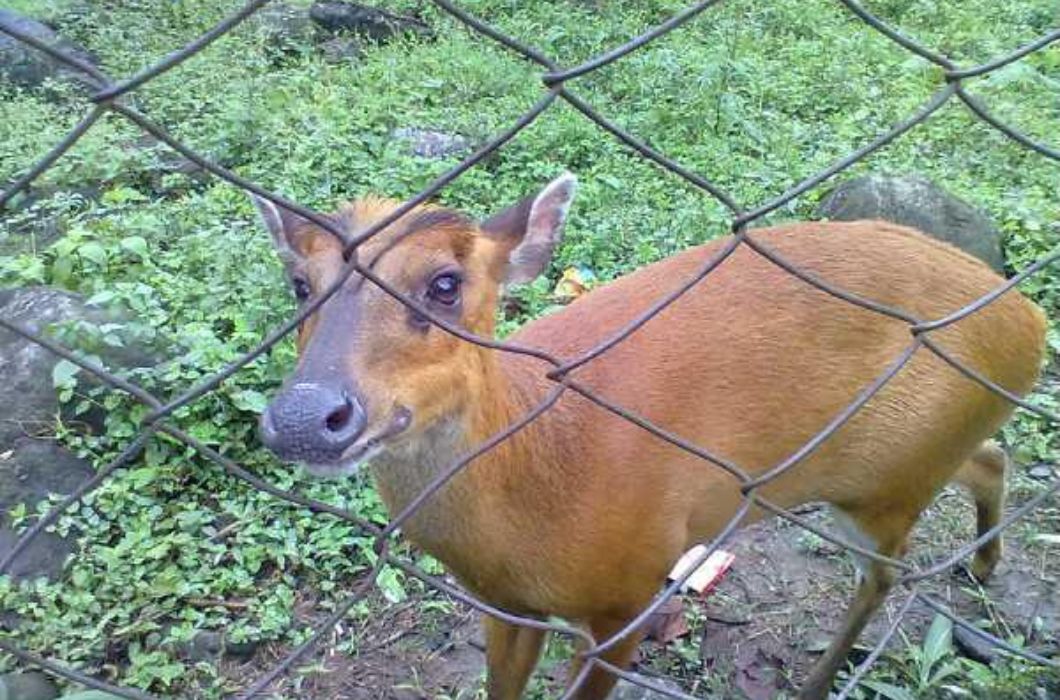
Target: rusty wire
[[108, 96]]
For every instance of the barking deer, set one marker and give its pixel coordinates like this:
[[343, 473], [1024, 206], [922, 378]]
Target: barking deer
[[581, 514]]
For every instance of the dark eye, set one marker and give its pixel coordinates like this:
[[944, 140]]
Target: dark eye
[[302, 289], [445, 288]]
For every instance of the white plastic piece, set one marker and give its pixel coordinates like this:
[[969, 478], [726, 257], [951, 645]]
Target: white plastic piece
[[707, 575]]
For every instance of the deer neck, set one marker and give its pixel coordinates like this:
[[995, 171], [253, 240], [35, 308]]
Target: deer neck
[[467, 508]]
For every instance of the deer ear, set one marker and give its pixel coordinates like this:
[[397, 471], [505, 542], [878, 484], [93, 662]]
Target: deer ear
[[282, 224], [530, 230]]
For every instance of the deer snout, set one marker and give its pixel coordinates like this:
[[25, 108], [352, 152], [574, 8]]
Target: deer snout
[[313, 423]]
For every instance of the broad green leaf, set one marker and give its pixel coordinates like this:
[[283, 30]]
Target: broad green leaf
[[63, 373], [93, 251], [938, 642], [62, 269], [389, 582], [250, 400], [136, 245], [891, 692], [101, 298]]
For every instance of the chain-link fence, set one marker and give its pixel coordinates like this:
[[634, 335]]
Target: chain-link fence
[[109, 96]]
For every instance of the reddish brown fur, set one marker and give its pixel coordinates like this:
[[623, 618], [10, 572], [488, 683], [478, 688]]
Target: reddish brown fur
[[581, 515]]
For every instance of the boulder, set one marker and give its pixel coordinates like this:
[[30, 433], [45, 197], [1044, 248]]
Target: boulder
[[25, 65], [39, 216], [29, 471], [917, 202], [27, 686], [1041, 472], [210, 646], [289, 30], [369, 22], [341, 49], [34, 229], [28, 401], [286, 28], [427, 143]]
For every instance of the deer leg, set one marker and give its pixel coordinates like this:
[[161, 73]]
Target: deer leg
[[512, 652], [887, 535], [984, 476], [599, 682]]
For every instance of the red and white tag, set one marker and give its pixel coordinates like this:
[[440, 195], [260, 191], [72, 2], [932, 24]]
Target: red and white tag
[[707, 575]]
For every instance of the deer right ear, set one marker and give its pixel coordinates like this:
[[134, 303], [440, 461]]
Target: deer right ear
[[282, 224], [530, 230]]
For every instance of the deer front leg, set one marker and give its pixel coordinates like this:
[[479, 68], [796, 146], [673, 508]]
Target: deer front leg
[[512, 652]]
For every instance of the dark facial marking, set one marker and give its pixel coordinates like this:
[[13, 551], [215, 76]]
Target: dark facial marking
[[437, 218], [301, 287]]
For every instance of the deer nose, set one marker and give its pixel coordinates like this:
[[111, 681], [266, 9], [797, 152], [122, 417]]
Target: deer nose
[[314, 423]]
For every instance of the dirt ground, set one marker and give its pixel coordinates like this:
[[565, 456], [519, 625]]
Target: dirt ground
[[754, 636]]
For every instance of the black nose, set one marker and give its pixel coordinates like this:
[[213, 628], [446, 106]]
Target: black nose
[[313, 423]]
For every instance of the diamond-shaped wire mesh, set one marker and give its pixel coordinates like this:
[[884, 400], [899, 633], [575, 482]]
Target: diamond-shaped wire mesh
[[109, 96]]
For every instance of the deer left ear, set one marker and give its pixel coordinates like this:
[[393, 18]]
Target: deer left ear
[[282, 224], [530, 230]]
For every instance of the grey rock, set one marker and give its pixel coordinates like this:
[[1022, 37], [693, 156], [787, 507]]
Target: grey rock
[[341, 49], [917, 202], [36, 217], [28, 473], [286, 28], [28, 402], [372, 23], [30, 229], [92, 695], [204, 646], [430, 144], [24, 65], [34, 468], [290, 30], [240, 650], [1045, 472], [208, 645], [27, 686]]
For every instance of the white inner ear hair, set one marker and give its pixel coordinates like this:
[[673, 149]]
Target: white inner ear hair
[[549, 211]]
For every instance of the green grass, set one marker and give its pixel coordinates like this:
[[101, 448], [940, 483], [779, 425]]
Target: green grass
[[753, 95]]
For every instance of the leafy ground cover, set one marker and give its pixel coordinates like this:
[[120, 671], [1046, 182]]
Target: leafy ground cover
[[754, 95]]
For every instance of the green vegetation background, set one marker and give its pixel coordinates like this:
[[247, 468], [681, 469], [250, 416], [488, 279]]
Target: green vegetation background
[[754, 95]]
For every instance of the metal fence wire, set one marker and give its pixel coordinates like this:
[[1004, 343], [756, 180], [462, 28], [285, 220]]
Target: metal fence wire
[[109, 96]]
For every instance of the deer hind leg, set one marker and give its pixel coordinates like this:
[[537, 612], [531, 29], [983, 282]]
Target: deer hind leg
[[984, 476], [886, 534], [599, 682], [512, 652]]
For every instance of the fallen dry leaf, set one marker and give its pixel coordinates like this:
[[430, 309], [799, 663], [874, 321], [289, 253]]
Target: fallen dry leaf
[[668, 622]]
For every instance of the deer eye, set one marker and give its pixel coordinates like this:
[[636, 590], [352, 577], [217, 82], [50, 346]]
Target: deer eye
[[445, 288], [302, 290]]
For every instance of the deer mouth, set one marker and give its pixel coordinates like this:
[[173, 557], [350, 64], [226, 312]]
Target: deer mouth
[[362, 451]]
